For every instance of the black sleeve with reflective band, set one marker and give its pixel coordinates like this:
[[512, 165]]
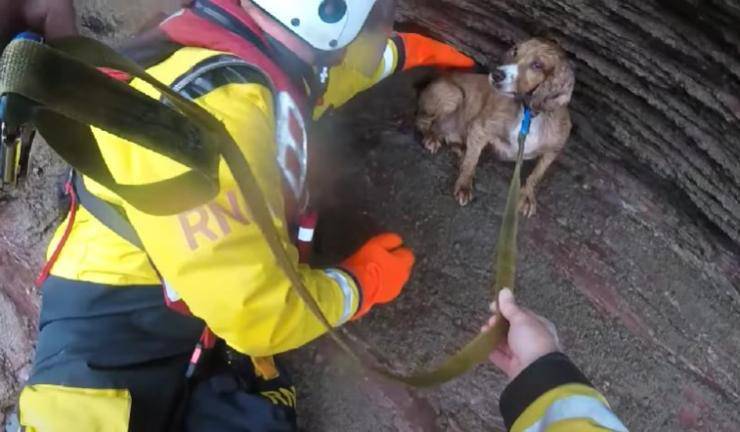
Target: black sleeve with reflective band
[[401, 48], [545, 374]]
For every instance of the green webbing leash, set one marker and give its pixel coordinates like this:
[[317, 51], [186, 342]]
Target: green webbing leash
[[63, 94], [478, 350], [59, 89]]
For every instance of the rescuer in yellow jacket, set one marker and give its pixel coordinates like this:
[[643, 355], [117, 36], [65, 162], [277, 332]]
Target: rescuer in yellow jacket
[[170, 322], [111, 355]]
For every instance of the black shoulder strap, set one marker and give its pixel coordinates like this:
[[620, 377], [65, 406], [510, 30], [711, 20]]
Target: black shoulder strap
[[215, 72], [110, 215], [201, 79]]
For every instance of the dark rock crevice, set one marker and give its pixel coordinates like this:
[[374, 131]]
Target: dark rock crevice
[[657, 87], [634, 253]]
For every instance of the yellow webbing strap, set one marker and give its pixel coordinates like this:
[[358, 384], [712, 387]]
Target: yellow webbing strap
[[66, 94]]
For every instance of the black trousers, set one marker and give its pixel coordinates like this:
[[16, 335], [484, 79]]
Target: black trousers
[[231, 398], [99, 337]]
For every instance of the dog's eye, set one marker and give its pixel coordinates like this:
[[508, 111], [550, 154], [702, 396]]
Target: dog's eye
[[537, 65]]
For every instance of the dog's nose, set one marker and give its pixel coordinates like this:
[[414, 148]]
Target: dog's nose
[[498, 76]]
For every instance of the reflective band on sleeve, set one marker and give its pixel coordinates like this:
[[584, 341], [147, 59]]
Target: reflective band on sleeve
[[306, 234], [578, 408], [388, 57], [196, 355], [172, 295], [349, 294]]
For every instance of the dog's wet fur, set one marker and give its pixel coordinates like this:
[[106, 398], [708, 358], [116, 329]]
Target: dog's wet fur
[[471, 112]]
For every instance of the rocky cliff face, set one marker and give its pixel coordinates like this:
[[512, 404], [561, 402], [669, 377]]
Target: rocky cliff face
[[658, 83], [633, 253]]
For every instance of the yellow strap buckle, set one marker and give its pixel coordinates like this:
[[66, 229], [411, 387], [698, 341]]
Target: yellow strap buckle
[[265, 368]]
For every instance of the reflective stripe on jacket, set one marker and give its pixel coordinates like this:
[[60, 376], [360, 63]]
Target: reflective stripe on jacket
[[552, 395]]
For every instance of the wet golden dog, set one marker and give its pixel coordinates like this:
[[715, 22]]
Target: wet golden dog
[[471, 112]]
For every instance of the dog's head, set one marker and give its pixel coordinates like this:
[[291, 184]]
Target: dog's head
[[538, 71]]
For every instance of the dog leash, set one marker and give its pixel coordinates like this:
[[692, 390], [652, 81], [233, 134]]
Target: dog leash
[[45, 83], [478, 350]]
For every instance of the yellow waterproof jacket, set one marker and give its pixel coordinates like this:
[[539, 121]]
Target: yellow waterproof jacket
[[212, 256]]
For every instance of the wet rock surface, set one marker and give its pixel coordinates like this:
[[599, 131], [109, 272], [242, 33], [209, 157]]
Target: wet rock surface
[[633, 252], [645, 295]]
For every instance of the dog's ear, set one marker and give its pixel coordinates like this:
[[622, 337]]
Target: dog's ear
[[556, 90]]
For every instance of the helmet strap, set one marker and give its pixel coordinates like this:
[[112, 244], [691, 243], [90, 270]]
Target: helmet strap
[[304, 74]]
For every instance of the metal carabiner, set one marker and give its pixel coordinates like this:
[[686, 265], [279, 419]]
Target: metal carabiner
[[10, 144], [15, 137]]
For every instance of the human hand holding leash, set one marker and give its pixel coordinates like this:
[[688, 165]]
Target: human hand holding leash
[[530, 336], [546, 391]]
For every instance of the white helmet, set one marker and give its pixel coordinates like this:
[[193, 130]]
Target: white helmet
[[327, 25]]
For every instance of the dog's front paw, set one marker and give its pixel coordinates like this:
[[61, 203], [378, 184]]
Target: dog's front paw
[[432, 144], [464, 193], [527, 202]]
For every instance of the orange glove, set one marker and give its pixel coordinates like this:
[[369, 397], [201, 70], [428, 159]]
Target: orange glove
[[381, 267], [418, 50]]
